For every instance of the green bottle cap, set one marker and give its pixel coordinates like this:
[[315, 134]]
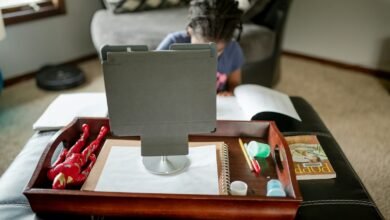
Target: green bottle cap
[[257, 149]]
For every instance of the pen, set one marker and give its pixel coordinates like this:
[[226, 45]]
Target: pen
[[245, 154], [254, 162], [256, 165]]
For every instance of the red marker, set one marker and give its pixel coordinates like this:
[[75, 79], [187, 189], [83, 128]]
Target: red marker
[[256, 166]]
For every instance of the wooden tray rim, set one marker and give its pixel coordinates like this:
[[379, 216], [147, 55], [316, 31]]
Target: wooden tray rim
[[30, 191]]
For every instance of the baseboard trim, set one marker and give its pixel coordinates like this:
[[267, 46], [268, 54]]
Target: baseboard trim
[[374, 72], [30, 75], [377, 73]]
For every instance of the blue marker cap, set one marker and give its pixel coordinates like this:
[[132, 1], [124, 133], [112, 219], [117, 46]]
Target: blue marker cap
[[275, 188], [274, 184], [276, 192]]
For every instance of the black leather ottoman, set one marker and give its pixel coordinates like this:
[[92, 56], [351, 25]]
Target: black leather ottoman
[[342, 198]]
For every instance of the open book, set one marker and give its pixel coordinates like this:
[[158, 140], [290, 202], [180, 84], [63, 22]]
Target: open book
[[249, 100], [119, 168], [66, 107]]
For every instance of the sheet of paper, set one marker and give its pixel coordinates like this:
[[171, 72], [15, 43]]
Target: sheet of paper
[[124, 172], [254, 99], [228, 109], [68, 106]]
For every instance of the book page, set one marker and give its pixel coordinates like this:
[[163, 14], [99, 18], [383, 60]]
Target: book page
[[229, 109], [66, 107], [123, 171], [254, 99]]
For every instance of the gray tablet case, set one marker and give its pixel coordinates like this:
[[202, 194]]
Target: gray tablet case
[[161, 96]]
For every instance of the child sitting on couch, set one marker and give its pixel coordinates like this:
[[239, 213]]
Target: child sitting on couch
[[215, 21]]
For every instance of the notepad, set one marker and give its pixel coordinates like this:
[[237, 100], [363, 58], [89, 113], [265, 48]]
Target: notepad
[[66, 107], [119, 168]]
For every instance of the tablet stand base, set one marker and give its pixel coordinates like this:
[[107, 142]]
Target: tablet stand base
[[164, 165]]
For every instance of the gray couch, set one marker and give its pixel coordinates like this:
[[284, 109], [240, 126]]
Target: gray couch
[[260, 42]]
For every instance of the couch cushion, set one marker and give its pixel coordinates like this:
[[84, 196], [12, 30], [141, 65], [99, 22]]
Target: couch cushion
[[150, 27], [257, 42], [16, 177], [145, 28]]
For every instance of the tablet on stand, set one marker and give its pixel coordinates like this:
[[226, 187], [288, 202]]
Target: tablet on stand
[[161, 96]]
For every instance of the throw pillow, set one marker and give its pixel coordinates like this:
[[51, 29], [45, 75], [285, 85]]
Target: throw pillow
[[111, 4], [128, 6], [124, 6]]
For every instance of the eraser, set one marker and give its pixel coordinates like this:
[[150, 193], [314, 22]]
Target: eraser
[[238, 188]]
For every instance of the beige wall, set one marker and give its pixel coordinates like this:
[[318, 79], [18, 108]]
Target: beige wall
[[29, 46], [355, 32]]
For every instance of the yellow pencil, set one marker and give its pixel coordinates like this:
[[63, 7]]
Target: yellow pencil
[[245, 154]]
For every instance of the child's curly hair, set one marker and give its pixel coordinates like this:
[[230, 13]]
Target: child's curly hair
[[215, 20]]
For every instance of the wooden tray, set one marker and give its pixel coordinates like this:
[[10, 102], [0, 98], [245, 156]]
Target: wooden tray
[[255, 205]]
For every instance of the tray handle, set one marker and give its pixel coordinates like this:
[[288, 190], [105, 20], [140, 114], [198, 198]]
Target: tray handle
[[67, 136], [64, 135]]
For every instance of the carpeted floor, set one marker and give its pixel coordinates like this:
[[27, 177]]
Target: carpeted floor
[[354, 106]]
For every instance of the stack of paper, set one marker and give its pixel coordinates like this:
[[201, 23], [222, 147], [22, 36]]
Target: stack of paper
[[66, 107], [119, 168]]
